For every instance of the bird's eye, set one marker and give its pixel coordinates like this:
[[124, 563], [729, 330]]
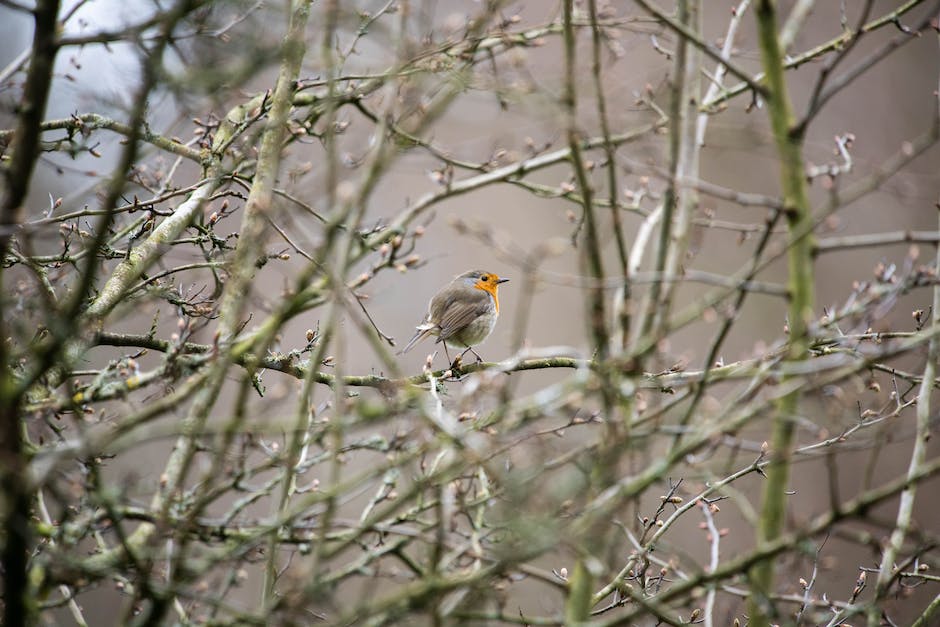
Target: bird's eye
[[484, 278]]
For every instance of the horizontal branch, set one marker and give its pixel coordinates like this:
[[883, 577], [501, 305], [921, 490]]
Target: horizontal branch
[[92, 121], [830, 244], [292, 364], [505, 173]]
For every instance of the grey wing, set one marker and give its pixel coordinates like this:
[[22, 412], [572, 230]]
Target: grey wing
[[458, 315]]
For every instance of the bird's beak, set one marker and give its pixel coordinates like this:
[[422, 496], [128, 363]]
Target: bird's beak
[[501, 281]]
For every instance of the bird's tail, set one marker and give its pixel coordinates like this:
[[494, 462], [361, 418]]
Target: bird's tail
[[421, 332]]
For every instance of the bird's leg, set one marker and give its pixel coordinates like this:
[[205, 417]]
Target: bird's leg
[[446, 354], [475, 354], [456, 364], [453, 365]]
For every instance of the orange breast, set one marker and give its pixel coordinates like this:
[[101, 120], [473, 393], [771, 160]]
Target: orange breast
[[491, 287]]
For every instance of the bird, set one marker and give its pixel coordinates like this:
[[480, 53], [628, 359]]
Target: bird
[[462, 314]]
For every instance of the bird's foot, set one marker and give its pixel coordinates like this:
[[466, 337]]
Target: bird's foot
[[475, 354]]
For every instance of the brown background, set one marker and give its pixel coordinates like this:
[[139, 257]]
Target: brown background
[[889, 105]]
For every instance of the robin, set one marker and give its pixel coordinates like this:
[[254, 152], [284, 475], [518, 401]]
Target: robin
[[462, 314]]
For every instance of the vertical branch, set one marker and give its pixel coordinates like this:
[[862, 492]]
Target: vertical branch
[[621, 303], [261, 195], [684, 164], [755, 264], [655, 304], [591, 253], [250, 245], [64, 324], [331, 17], [16, 500], [340, 213], [800, 289], [887, 571], [32, 106], [258, 206], [794, 24], [140, 259], [716, 84], [578, 604]]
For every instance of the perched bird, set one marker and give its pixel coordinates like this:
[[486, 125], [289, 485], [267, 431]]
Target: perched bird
[[463, 313]]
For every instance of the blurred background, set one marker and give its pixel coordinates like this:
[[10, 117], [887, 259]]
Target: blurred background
[[507, 111]]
